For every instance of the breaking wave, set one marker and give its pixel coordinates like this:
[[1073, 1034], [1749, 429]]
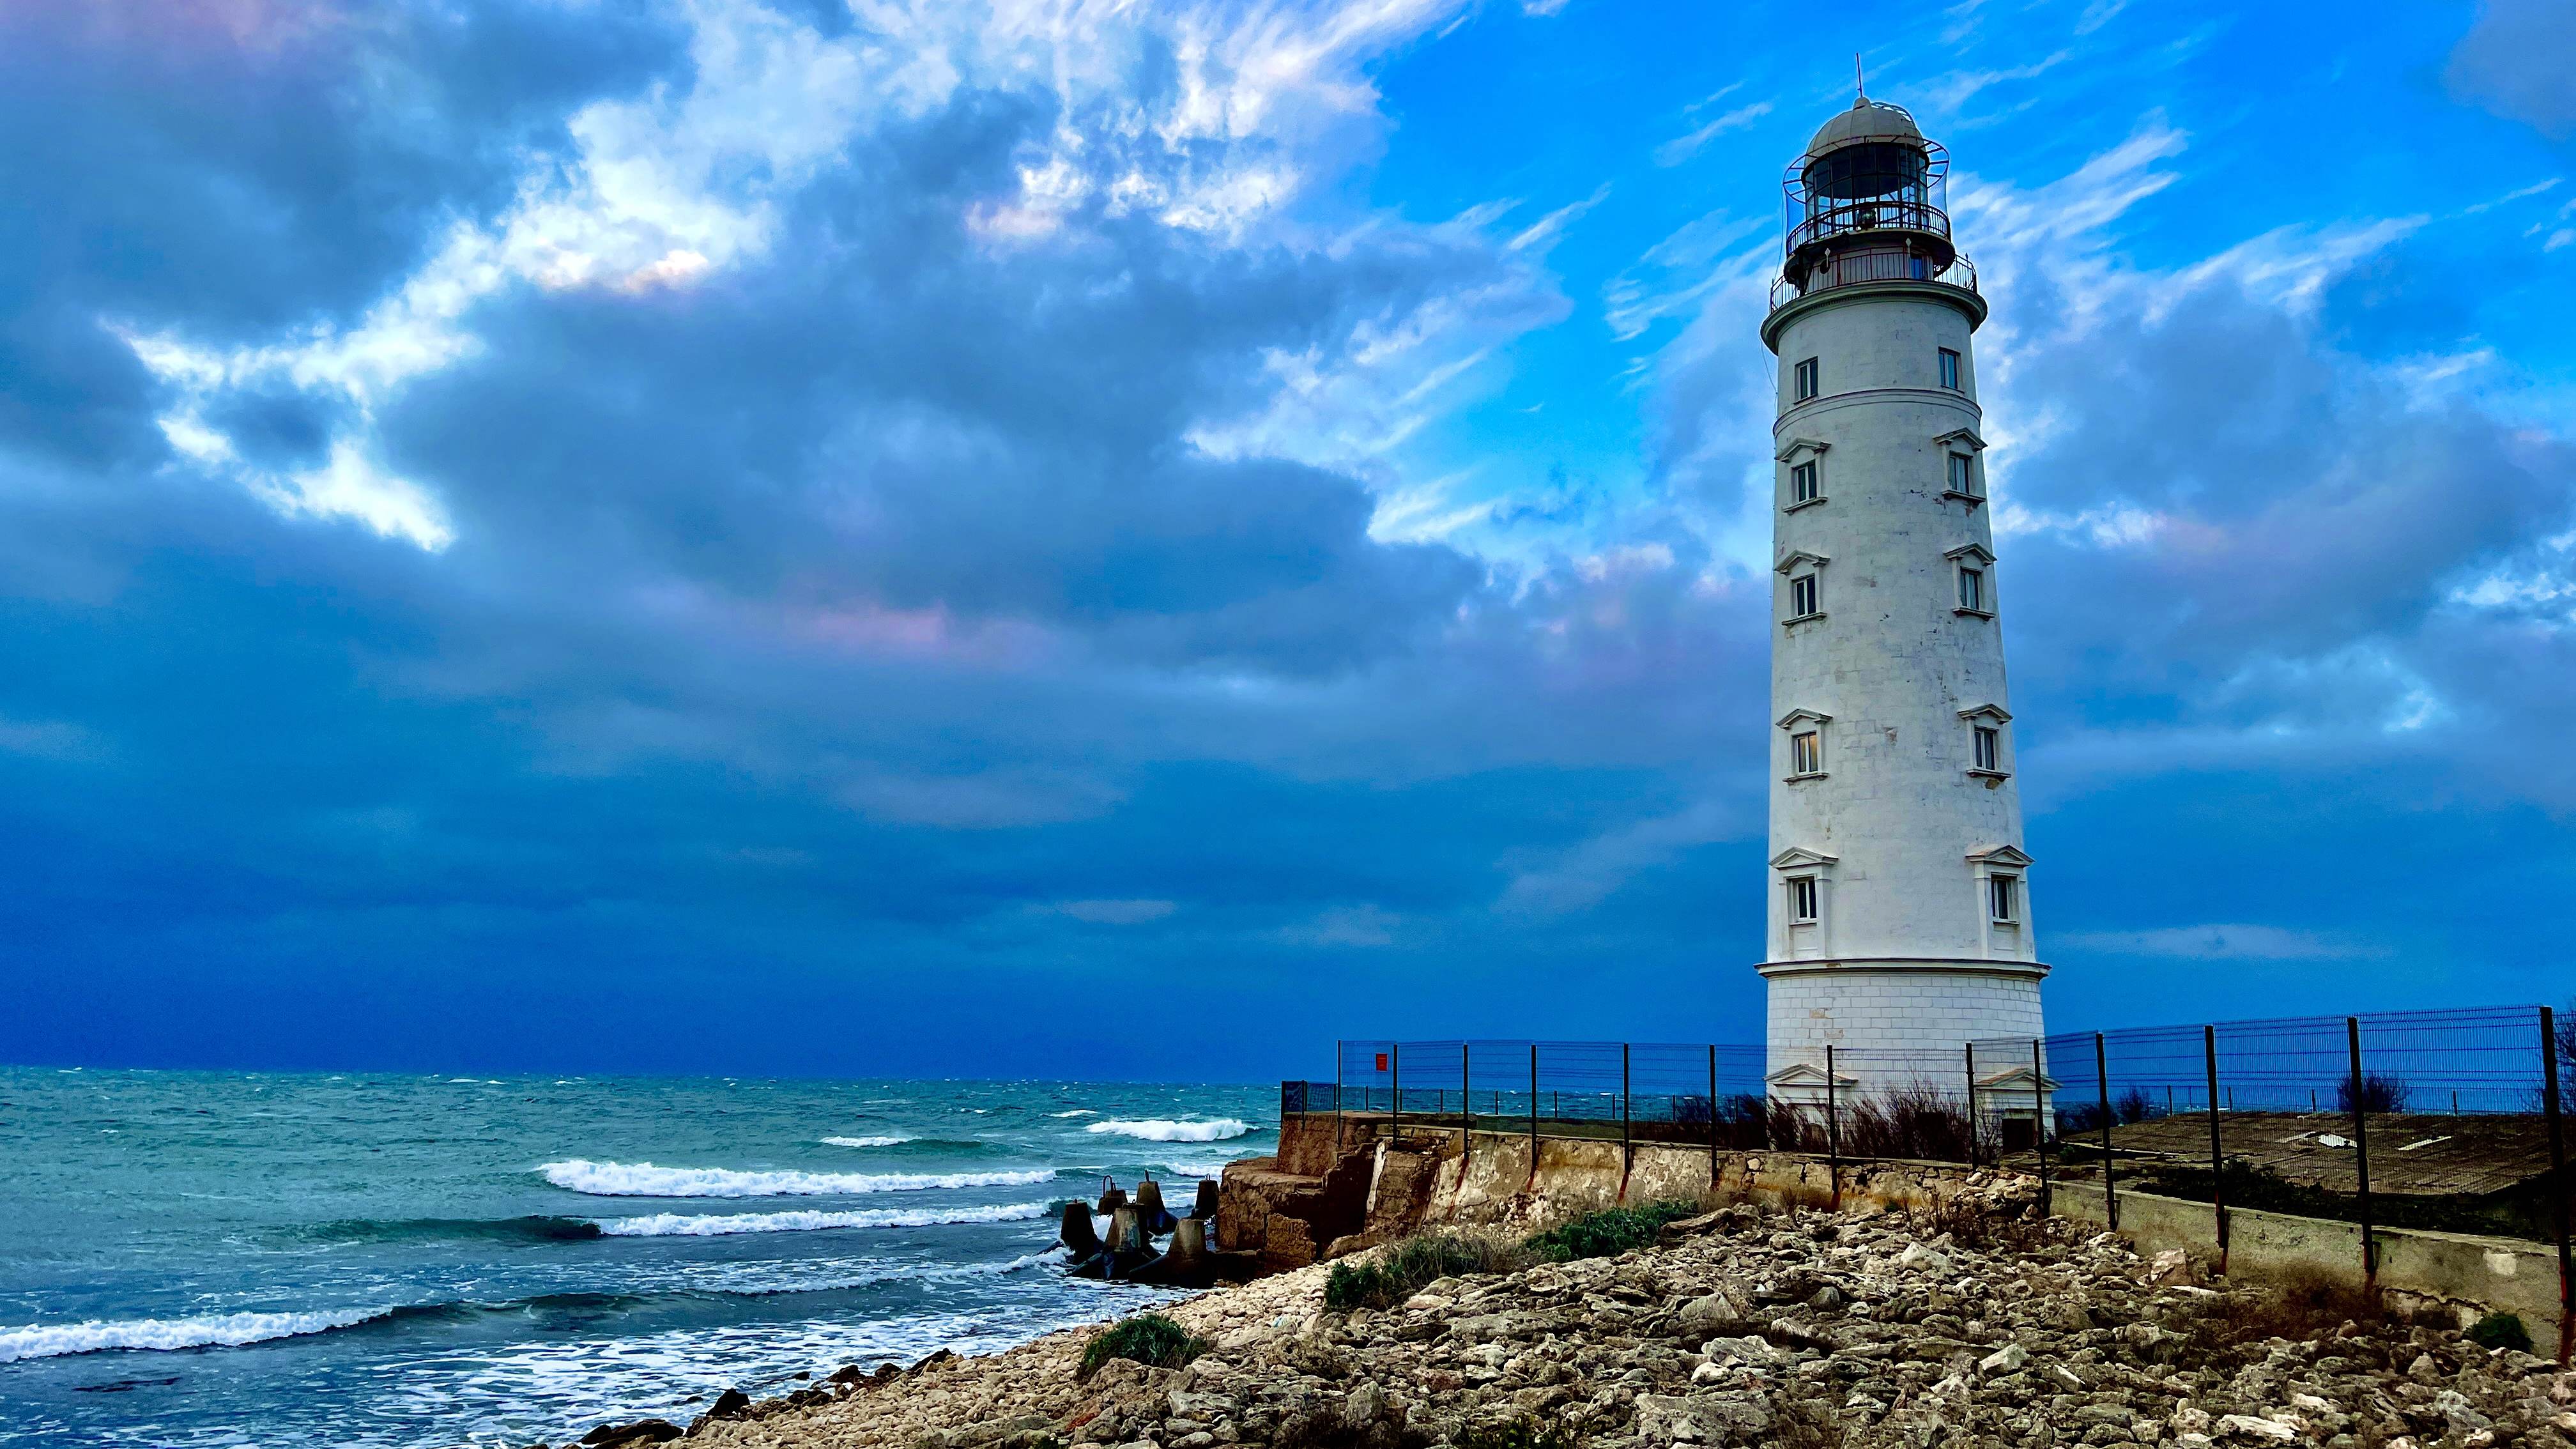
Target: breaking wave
[[1216, 1130], [865, 1141], [709, 1225], [643, 1179], [232, 1330], [223, 1330]]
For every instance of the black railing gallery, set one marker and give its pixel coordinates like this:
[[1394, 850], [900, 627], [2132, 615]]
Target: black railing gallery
[[1881, 265]]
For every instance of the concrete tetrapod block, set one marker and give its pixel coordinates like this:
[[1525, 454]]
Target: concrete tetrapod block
[[1077, 1234], [1205, 1209], [1185, 1263], [1149, 1208], [1128, 1248]]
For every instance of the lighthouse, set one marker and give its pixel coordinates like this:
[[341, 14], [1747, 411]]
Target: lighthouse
[[1900, 921]]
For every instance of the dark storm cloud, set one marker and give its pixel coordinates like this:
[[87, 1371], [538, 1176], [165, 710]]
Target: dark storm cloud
[[2519, 60], [250, 168], [2291, 505], [884, 411]]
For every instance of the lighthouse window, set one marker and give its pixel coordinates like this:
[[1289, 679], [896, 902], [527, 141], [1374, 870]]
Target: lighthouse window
[[1963, 475], [2003, 902], [1990, 748], [1802, 483], [1806, 379], [1972, 589], [1806, 753], [1802, 900], [1803, 600], [1949, 369]]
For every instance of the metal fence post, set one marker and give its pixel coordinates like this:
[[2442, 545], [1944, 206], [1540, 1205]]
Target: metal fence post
[[1394, 1089], [2217, 1153], [1972, 1103], [2557, 1179], [2361, 1153], [2102, 1075], [2039, 1124], [1627, 1158], [1712, 1114], [1466, 1103], [1833, 1132], [1337, 1095]]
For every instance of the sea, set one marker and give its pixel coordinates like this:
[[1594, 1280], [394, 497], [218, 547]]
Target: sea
[[369, 1259]]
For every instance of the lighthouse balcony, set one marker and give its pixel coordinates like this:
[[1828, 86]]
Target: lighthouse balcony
[[1848, 269], [1825, 220]]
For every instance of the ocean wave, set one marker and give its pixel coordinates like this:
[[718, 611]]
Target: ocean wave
[[232, 1330], [1218, 1129], [508, 1230], [643, 1179], [223, 1330], [1195, 1170], [709, 1225], [1076, 1112], [866, 1141]]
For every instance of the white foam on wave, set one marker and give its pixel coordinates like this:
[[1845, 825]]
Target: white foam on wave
[[1076, 1112], [222, 1330], [1211, 1130], [643, 1179], [866, 1141], [711, 1225]]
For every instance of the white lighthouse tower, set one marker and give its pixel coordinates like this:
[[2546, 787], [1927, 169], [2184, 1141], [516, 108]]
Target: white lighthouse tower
[[1900, 918]]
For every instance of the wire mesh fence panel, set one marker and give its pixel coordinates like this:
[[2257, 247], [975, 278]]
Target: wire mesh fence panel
[[2294, 1064], [1364, 1075], [2154, 1072], [1580, 1084], [2480, 1059], [1429, 1080]]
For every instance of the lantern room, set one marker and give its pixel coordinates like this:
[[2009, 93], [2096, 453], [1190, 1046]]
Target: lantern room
[[1868, 202]]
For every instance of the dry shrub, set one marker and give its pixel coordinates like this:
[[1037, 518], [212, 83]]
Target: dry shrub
[[1916, 1121], [1814, 1196], [1974, 1225], [2300, 1304]]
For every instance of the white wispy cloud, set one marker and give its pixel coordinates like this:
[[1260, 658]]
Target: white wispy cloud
[[2224, 943], [1682, 148]]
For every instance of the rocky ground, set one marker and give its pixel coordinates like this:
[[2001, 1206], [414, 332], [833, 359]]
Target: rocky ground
[[1744, 1327]]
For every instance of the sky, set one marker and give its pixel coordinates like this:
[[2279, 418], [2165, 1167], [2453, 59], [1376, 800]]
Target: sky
[[1097, 539]]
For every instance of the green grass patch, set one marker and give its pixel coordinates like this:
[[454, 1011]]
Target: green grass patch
[[2500, 1330], [1609, 1233], [1414, 1263], [1149, 1338]]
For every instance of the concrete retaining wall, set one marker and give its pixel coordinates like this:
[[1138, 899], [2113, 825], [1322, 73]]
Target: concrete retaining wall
[[2462, 1271]]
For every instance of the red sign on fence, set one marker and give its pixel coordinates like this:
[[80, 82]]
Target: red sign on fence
[[1381, 1061]]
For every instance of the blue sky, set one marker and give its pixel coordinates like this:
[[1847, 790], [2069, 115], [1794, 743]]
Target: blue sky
[[1133, 540]]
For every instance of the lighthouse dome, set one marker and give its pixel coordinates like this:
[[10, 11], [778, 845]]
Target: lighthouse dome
[[1867, 120]]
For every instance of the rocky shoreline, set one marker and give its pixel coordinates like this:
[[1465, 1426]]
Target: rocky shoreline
[[1986, 1325]]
